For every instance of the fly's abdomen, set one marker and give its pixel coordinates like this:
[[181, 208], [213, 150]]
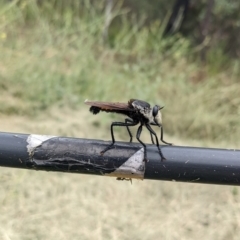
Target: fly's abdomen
[[94, 110]]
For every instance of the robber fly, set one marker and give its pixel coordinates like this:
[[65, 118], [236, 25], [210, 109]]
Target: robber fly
[[138, 112]]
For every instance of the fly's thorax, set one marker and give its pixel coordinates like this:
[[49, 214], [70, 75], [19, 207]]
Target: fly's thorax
[[146, 113]]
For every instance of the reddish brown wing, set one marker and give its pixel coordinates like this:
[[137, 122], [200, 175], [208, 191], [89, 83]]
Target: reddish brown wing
[[110, 106]]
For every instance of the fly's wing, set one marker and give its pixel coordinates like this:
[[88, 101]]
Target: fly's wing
[[96, 107], [139, 104]]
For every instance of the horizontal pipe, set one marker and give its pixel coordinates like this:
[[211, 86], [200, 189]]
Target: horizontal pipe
[[124, 161]]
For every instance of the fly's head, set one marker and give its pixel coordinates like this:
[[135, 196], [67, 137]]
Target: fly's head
[[157, 116]]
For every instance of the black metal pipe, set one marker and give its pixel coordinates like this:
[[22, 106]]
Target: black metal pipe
[[125, 161]]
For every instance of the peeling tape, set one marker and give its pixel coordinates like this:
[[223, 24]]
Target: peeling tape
[[35, 141], [134, 167]]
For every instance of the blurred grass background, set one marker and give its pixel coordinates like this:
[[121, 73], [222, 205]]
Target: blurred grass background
[[53, 57]]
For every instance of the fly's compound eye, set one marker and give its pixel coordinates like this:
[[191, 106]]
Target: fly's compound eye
[[155, 110]]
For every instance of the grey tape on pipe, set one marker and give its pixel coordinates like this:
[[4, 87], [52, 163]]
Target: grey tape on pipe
[[34, 141], [134, 167]]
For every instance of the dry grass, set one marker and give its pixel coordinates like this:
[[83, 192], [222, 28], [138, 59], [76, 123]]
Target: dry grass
[[46, 205]]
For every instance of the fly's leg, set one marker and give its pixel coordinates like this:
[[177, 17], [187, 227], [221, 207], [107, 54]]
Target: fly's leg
[[129, 132], [162, 137], [152, 138], [139, 131], [157, 143], [112, 134]]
